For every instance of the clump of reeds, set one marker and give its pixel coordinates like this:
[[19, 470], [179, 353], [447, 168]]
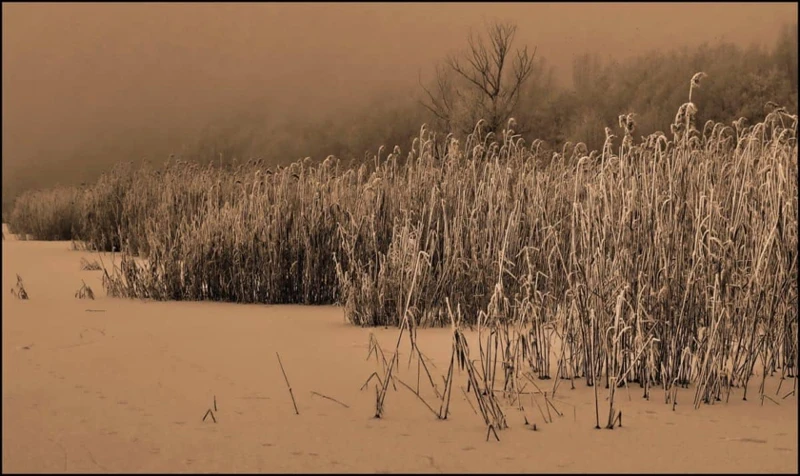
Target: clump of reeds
[[116, 209], [47, 214], [87, 265], [18, 291], [244, 236], [666, 263], [84, 292]]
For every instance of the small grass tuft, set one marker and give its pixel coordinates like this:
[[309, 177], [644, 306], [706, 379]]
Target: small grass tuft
[[90, 265], [18, 291], [85, 292]]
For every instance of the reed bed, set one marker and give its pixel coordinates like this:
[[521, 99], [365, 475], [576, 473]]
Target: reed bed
[[48, 215], [664, 260]]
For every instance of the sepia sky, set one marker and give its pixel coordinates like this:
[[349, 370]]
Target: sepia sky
[[74, 73]]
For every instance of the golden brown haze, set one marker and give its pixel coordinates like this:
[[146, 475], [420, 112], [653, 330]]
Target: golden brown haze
[[566, 285], [75, 75]]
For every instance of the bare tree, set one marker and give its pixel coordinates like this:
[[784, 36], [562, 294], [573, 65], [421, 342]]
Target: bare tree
[[484, 83]]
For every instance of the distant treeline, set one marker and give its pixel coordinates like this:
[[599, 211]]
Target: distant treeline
[[741, 80]]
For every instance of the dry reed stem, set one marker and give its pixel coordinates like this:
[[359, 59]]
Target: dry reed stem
[[468, 400], [291, 394], [375, 375], [330, 398], [211, 413], [491, 431], [419, 397]]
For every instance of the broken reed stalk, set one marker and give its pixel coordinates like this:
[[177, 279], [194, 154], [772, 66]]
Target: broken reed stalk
[[330, 398], [375, 347], [419, 397], [541, 412], [763, 396], [373, 375], [617, 421], [211, 413], [533, 398], [421, 358], [287, 384], [448, 387], [490, 430], [547, 407], [469, 401], [548, 402]]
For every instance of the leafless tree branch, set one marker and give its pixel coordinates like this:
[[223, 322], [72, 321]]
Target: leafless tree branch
[[492, 77]]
